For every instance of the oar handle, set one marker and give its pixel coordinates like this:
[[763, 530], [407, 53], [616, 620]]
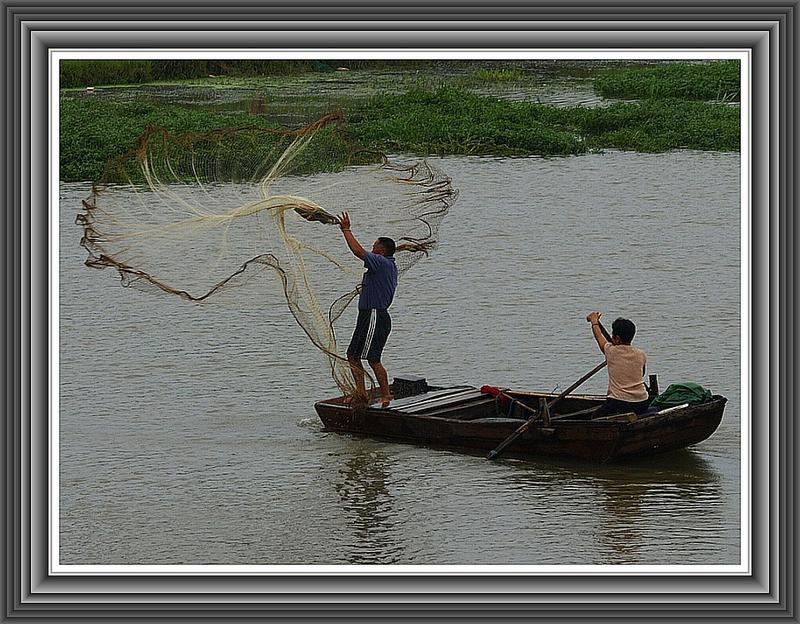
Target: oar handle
[[597, 368], [493, 454]]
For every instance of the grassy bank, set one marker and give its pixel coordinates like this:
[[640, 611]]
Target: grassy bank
[[661, 125], [450, 121], [717, 80], [421, 121], [497, 75], [78, 74], [94, 131]]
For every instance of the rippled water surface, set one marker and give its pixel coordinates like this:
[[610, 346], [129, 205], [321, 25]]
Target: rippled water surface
[[188, 434]]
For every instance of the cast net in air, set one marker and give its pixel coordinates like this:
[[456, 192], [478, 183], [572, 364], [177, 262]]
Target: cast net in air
[[196, 215]]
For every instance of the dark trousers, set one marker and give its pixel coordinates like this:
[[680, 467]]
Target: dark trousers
[[615, 406]]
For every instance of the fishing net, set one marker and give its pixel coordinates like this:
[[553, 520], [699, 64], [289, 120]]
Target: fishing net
[[196, 215]]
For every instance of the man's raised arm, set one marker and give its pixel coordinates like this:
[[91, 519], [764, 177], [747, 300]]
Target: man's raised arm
[[597, 330], [352, 242]]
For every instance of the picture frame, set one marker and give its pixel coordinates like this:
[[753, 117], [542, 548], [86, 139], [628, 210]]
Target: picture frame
[[35, 30]]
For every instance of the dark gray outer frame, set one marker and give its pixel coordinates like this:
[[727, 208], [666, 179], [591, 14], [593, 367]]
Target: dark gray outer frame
[[767, 30]]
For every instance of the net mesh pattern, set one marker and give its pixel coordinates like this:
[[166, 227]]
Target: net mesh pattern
[[195, 215]]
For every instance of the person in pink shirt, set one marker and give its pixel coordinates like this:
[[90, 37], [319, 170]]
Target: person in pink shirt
[[626, 367]]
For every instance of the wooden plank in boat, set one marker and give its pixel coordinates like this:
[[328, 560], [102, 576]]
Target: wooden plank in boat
[[445, 402], [438, 398], [416, 398]]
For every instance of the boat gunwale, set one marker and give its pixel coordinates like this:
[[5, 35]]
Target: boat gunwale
[[589, 440], [658, 418]]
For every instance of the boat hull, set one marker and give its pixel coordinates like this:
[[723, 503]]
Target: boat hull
[[610, 439]]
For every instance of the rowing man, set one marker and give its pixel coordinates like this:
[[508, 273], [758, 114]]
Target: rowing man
[[626, 367], [374, 323]]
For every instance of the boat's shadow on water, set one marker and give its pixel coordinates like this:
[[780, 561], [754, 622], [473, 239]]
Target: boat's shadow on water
[[638, 504], [679, 464]]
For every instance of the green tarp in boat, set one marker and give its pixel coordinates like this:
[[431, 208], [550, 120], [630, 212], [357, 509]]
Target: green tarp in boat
[[680, 393]]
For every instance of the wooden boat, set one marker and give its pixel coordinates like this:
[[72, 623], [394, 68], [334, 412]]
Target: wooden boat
[[464, 418]]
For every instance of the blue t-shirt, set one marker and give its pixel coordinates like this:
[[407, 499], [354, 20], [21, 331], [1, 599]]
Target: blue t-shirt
[[379, 283]]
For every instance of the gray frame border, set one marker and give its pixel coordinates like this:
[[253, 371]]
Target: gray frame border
[[32, 28]]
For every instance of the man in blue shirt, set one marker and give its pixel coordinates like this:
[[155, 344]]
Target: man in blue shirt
[[374, 324]]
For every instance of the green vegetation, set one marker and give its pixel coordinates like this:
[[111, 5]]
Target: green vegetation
[[661, 125], [78, 74], [450, 121], [94, 131], [428, 110], [717, 80], [421, 121], [497, 75], [90, 73]]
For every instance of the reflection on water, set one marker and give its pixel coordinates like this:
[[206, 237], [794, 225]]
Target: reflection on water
[[684, 480], [620, 531], [368, 503], [675, 491], [184, 429]]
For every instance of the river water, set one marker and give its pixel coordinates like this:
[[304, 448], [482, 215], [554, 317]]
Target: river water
[[188, 434]]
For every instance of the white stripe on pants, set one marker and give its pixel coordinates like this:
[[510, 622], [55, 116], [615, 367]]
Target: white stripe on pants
[[373, 320]]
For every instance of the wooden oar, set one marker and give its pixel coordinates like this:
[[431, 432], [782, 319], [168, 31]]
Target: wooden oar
[[527, 424], [533, 411]]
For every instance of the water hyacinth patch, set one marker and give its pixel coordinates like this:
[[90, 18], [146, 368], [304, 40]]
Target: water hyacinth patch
[[718, 80], [423, 121], [451, 121]]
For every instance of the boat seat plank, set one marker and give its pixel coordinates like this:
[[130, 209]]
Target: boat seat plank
[[436, 402], [415, 399], [445, 402]]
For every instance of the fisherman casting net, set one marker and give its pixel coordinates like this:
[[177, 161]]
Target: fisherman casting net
[[194, 216]]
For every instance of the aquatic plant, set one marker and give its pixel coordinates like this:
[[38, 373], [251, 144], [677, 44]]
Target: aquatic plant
[[453, 121], [659, 125], [716, 80], [497, 75], [422, 121], [81, 74], [92, 131], [104, 72]]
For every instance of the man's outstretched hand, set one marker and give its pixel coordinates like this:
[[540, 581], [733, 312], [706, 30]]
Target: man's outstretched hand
[[593, 317], [349, 237]]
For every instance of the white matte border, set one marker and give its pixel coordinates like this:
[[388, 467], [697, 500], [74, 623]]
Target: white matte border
[[745, 565]]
